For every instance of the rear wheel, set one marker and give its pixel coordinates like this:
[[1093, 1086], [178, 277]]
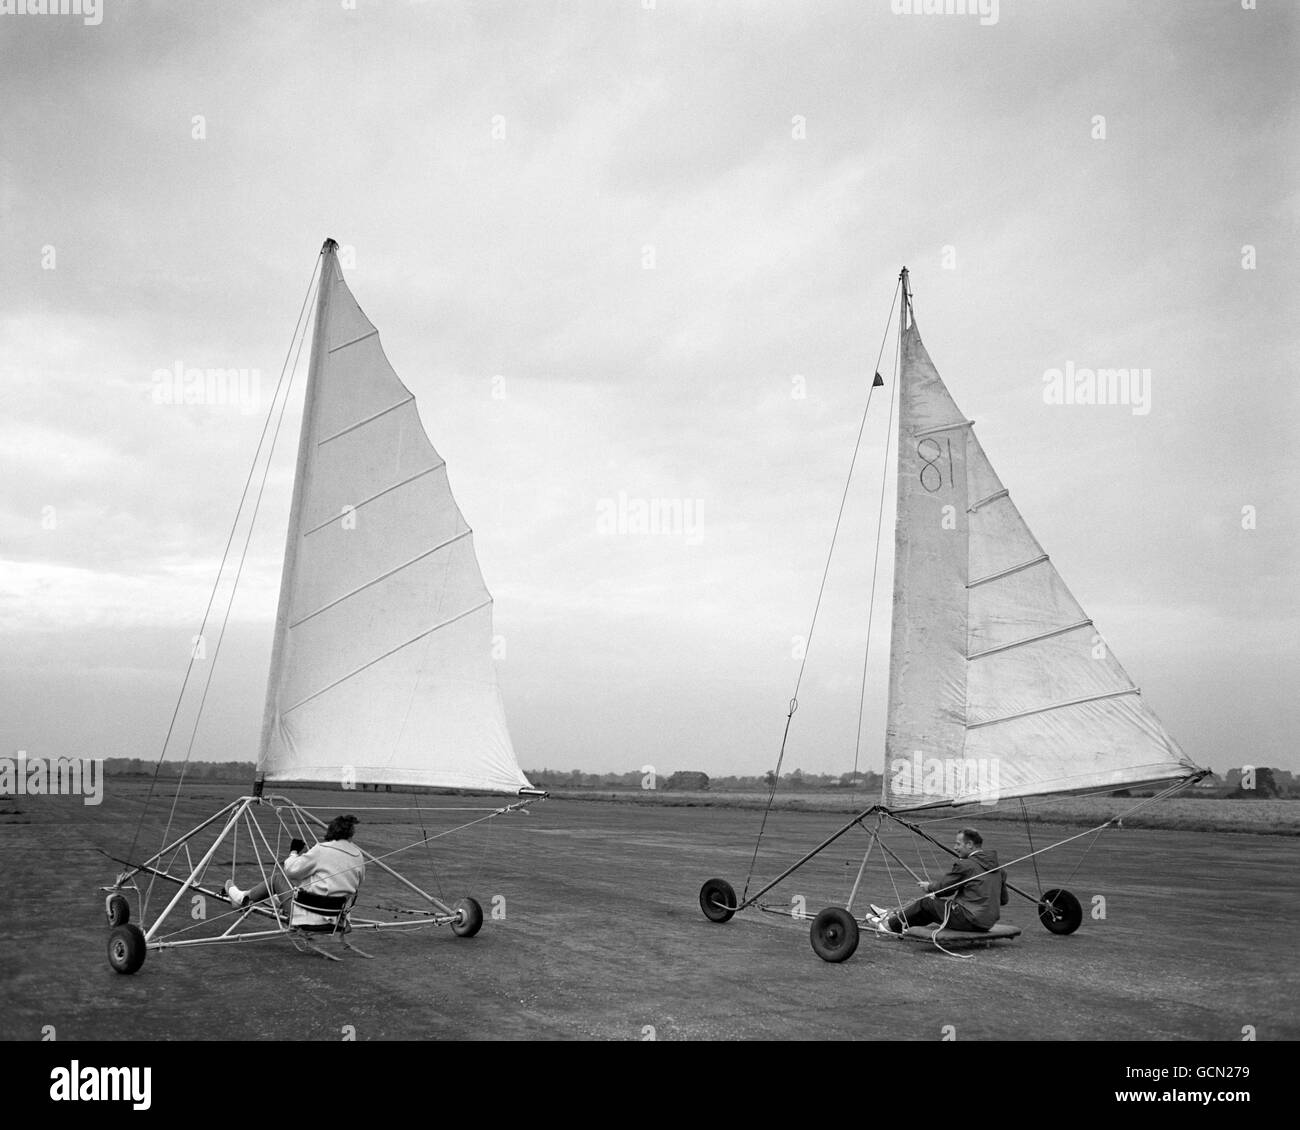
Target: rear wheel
[[1060, 911], [834, 934], [119, 911], [718, 900], [470, 918], [126, 948]]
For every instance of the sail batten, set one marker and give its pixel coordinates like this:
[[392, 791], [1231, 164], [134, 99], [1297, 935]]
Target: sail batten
[[1008, 571], [367, 420], [995, 668], [362, 337], [382, 668], [1047, 635], [382, 577], [376, 495], [1052, 706], [380, 658]]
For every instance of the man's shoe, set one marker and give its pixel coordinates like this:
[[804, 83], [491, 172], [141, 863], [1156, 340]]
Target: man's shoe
[[878, 911], [238, 899]]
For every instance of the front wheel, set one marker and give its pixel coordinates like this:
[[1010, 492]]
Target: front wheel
[[126, 948], [1060, 911], [718, 900], [834, 934], [469, 920]]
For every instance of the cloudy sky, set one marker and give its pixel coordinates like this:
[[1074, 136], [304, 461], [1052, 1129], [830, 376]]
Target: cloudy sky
[[607, 245]]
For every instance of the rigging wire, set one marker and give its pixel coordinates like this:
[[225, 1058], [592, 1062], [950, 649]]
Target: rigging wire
[[794, 699], [875, 564], [243, 557], [224, 555], [1029, 832], [424, 832]]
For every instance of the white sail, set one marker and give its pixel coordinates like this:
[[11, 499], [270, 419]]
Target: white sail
[[381, 669], [1000, 685]]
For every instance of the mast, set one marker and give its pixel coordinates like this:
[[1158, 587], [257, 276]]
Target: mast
[[293, 538]]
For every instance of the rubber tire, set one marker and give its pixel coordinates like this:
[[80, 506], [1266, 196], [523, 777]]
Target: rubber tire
[[119, 911], [470, 921], [126, 948], [834, 934], [717, 891], [1068, 916]]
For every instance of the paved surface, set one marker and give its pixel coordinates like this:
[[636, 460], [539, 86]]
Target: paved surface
[[602, 937]]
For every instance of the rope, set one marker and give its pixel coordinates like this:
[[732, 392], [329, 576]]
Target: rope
[[225, 554], [934, 937], [428, 852], [889, 871], [1029, 832], [812, 627]]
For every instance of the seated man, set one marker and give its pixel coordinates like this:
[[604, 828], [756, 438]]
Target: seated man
[[335, 866], [967, 896]]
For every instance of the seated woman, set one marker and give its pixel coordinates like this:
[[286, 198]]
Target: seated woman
[[335, 866]]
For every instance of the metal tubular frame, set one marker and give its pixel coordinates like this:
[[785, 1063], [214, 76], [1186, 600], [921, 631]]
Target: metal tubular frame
[[155, 866], [884, 811]]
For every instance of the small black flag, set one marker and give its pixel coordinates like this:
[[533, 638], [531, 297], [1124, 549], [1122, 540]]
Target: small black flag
[[878, 382]]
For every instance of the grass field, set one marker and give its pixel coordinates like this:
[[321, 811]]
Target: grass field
[[1188, 935]]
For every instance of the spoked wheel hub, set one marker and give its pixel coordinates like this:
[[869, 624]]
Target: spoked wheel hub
[[1060, 911], [834, 934]]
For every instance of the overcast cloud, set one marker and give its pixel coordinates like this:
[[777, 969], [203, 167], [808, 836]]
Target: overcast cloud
[[499, 171]]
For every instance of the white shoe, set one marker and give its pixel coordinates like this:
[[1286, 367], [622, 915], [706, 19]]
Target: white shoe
[[880, 923], [238, 898], [878, 911]]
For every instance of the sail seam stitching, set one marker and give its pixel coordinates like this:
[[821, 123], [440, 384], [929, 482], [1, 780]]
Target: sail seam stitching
[[367, 420], [380, 494], [381, 577], [1029, 639], [1054, 706], [399, 647], [1007, 572], [363, 337], [985, 501], [943, 428]]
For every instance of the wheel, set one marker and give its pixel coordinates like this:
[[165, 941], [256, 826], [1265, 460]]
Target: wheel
[[718, 900], [834, 934], [126, 948], [470, 920], [119, 911], [1060, 911]]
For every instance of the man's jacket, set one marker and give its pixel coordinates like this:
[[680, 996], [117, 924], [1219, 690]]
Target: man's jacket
[[979, 897]]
